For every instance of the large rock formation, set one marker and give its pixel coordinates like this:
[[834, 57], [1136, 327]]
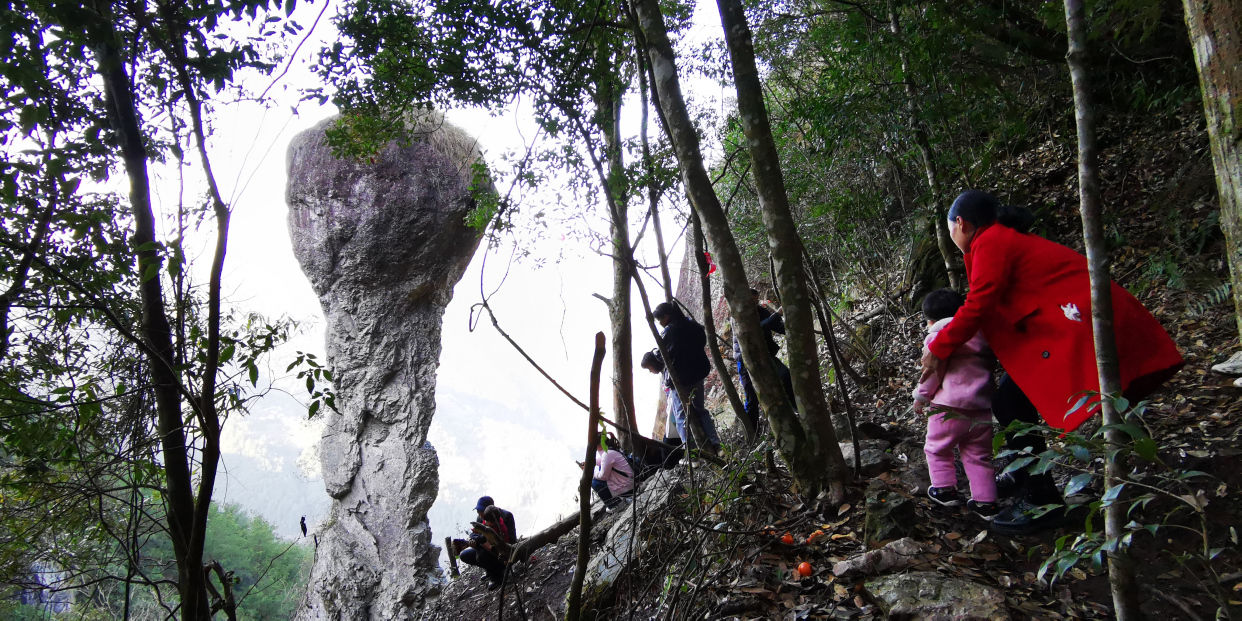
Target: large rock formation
[[382, 242]]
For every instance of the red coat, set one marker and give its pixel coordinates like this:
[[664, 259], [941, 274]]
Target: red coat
[[1032, 299]]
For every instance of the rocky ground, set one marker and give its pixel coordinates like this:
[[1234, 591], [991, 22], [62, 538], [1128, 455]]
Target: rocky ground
[[712, 542]]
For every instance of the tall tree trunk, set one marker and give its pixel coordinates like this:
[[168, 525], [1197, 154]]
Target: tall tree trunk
[[1120, 565], [608, 112], [792, 440], [1215, 28], [785, 244], [922, 140], [709, 324], [156, 330]]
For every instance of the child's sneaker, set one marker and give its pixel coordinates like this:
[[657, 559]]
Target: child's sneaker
[[945, 496], [985, 510]]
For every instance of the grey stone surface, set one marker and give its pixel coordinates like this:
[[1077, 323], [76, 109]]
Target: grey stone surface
[[890, 515], [383, 242], [931, 596], [897, 554], [874, 458], [621, 546]]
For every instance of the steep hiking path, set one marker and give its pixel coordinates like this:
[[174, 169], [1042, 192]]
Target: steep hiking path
[[718, 549]]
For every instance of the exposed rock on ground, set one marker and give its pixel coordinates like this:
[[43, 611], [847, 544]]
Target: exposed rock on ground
[[934, 596], [382, 242]]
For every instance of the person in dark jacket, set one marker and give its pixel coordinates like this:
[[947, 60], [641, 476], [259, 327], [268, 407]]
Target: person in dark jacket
[[684, 340], [477, 551], [772, 324]]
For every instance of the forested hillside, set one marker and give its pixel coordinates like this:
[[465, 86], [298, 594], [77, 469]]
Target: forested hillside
[[824, 179]]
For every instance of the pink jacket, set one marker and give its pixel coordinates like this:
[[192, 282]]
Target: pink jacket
[[612, 468], [966, 381]]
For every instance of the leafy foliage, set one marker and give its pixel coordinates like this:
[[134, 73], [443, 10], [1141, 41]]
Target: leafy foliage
[[92, 295]]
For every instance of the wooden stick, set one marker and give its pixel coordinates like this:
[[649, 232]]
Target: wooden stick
[[448, 545], [573, 608]]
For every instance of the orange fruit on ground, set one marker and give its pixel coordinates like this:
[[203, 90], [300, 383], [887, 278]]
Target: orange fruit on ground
[[804, 569], [787, 539]]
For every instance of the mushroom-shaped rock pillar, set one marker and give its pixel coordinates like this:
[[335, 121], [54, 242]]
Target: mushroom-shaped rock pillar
[[383, 241]]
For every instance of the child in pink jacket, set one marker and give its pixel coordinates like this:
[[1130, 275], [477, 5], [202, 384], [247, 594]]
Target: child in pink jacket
[[959, 401]]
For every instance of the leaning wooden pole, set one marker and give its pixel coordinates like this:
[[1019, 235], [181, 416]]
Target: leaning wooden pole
[[448, 545], [573, 610], [1120, 565]]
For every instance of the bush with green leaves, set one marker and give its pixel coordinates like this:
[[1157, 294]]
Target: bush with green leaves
[[1160, 499]]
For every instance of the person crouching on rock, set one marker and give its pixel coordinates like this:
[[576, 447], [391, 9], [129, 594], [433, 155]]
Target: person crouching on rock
[[613, 478], [958, 400], [477, 551]]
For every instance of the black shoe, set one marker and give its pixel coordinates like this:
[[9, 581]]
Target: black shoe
[[492, 585], [985, 510], [1007, 485], [945, 496], [1026, 517]]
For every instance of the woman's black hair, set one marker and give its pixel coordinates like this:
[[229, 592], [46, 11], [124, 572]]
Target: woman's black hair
[[652, 360], [666, 309], [982, 209], [942, 303]]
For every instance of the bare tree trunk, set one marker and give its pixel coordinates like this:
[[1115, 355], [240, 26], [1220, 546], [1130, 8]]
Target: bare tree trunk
[[785, 244], [573, 608], [799, 451], [1120, 565], [608, 111], [1215, 27], [709, 325], [923, 142], [155, 329]]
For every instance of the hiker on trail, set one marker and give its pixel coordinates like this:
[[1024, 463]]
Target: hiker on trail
[[772, 323], [613, 478], [684, 340], [1031, 298], [958, 402], [475, 550], [653, 363]]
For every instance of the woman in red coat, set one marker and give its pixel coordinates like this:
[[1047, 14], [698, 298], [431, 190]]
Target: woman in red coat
[[1032, 299]]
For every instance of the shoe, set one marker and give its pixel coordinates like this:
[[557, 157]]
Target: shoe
[[1007, 485], [985, 510], [613, 508], [945, 496], [1026, 517], [1232, 366], [492, 585]]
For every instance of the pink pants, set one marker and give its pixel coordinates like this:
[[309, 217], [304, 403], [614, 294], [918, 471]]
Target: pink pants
[[970, 431]]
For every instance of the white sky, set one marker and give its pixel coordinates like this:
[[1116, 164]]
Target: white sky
[[524, 457]]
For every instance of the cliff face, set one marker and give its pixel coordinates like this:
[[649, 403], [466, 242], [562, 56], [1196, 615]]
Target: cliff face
[[382, 242]]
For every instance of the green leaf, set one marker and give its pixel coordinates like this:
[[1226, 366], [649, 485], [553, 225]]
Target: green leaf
[[1080, 453], [1111, 494], [1017, 464], [1145, 448], [1077, 483]]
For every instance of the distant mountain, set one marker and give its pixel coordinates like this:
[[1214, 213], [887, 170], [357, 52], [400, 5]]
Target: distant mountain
[[269, 465]]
